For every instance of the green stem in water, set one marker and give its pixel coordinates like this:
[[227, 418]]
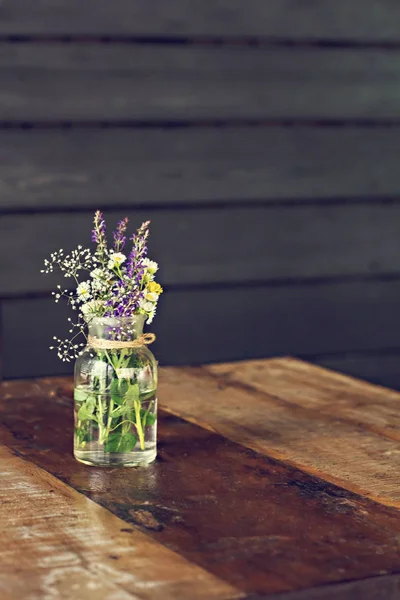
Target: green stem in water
[[109, 420], [110, 360], [139, 427], [106, 429], [146, 413], [102, 435], [122, 423], [111, 407]]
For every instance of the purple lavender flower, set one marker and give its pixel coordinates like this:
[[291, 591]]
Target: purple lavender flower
[[119, 237], [99, 235], [126, 293], [135, 267], [99, 230]]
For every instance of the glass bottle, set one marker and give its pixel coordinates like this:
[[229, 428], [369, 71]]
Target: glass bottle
[[115, 398]]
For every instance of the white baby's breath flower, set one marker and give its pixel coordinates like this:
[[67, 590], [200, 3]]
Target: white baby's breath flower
[[151, 266], [92, 308], [83, 291], [98, 286], [116, 260], [99, 283], [97, 273]]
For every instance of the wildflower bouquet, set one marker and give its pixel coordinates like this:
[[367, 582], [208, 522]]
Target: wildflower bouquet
[[115, 372]]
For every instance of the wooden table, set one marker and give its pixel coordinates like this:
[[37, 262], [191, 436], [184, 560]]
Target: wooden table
[[273, 477]]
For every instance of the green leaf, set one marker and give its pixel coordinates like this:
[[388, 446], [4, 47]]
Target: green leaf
[[80, 395], [114, 387], [135, 361], [150, 419], [123, 387], [132, 395], [120, 443], [83, 435], [112, 442], [83, 414], [128, 442], [147, 418], [86, 410], [118, 390], [149, 395], [121, 411], [118, 412]]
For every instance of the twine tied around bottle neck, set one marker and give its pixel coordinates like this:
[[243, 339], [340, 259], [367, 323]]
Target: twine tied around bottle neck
[[101, 344]]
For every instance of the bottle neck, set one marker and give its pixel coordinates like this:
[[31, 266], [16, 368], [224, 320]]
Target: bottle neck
[[122, 329]]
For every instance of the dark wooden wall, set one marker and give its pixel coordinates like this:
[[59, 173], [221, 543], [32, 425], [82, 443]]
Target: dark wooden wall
[[261, 138]]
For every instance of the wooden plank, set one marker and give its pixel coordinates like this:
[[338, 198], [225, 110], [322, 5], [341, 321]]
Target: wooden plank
[[340, 451], [219, 245], [197, 326], [360, 20], [300, 384], [379, 369], [92, 167], [57, 543], [387, 587], [244, 517], [78, 82]]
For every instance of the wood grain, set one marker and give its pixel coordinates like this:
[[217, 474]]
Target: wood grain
[[276, 243], [108, 82], [384, 587], [341, 451], [57, 543], [130, 167], [225, 324], [300, 384], [263, 526], [362, 20]]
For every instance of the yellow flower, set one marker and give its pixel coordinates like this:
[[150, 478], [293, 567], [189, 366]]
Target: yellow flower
[[151, 296], [154, 288]]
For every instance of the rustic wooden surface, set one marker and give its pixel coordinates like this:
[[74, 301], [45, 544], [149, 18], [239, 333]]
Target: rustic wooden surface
[[274, 478], [57, 543]]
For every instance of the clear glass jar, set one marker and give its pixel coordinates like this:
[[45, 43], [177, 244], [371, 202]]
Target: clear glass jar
[[115, 395]]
